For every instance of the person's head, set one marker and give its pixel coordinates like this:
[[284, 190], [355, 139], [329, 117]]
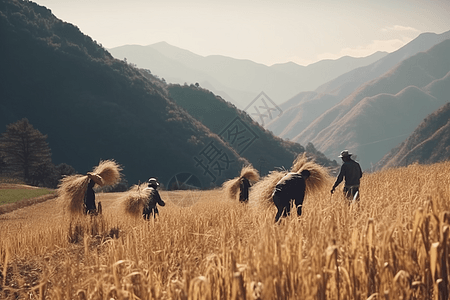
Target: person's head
[[345, 155], [153, 182], [243, 179], [305, 174]]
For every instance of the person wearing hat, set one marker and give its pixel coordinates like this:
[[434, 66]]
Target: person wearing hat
[[351, 172], [290, 188], [152, 200]]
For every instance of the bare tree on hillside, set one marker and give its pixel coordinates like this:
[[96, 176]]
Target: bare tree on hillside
[[25, 149]]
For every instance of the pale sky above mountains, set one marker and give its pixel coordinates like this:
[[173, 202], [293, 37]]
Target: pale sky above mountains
[[264, 31]]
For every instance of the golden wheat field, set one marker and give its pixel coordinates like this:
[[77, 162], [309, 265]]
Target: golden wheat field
[[393, 245]]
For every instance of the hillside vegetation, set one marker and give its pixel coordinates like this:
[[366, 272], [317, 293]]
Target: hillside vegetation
[[394, 243], [264, 151], [429, 143], [95, 107]]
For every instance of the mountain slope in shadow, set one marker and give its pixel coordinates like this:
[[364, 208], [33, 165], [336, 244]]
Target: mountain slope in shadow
[[429, 143]]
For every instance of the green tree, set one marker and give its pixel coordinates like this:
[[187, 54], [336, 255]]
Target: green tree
[[25, 149], [64, 169], [2, 163]]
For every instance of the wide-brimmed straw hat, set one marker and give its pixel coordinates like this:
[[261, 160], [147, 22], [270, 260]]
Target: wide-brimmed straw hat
[[153, 181], [345, 153]]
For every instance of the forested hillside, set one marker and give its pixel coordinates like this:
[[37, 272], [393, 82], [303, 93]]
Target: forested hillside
[[93, 106]]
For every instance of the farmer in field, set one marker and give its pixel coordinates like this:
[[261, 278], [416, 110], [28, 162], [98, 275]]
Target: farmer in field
[[89, 199], [152, 200], [351, 172], [243, 189], [242, 183], [290, 189]]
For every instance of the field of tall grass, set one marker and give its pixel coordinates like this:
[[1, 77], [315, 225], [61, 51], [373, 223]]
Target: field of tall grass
[[394, 244]]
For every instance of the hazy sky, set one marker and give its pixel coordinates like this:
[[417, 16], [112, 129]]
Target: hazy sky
[[265, 31]]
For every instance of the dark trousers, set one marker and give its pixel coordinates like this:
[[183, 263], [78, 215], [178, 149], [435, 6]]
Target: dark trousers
[[243, 200], [89, 208], [149, 212], [350, 192], [283, 205]]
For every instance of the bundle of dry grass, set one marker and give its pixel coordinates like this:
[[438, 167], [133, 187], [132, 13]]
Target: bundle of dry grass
[[261, 192], [231, 187], [135, 199], [72, 188], [109, 171], [319, 177]]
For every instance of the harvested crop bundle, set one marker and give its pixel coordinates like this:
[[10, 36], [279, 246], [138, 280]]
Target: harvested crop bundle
[[232, 186], [72, 189]]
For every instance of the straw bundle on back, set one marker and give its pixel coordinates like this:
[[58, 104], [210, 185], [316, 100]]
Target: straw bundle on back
[[319, 177], [135, 199], [250, 173], [262, 191], [231, 187], [73, 188], [109, 171]]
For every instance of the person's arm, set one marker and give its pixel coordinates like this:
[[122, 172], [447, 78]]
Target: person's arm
[[158, 199], [338, 179]]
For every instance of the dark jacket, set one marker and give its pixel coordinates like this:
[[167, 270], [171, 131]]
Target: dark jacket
[[152, 200], [244, 186], [89, 196], [351, 172], [291, 186]]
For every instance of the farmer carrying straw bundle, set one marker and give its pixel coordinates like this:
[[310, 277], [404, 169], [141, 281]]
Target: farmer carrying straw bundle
[[141, 200], [78, 189], [284, 188], [241, 183], [153, 199], [351, 172]]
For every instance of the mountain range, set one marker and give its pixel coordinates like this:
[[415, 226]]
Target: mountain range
[[238, 81], [395, 91], [303, 109], [93, 106], [381, 113]]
